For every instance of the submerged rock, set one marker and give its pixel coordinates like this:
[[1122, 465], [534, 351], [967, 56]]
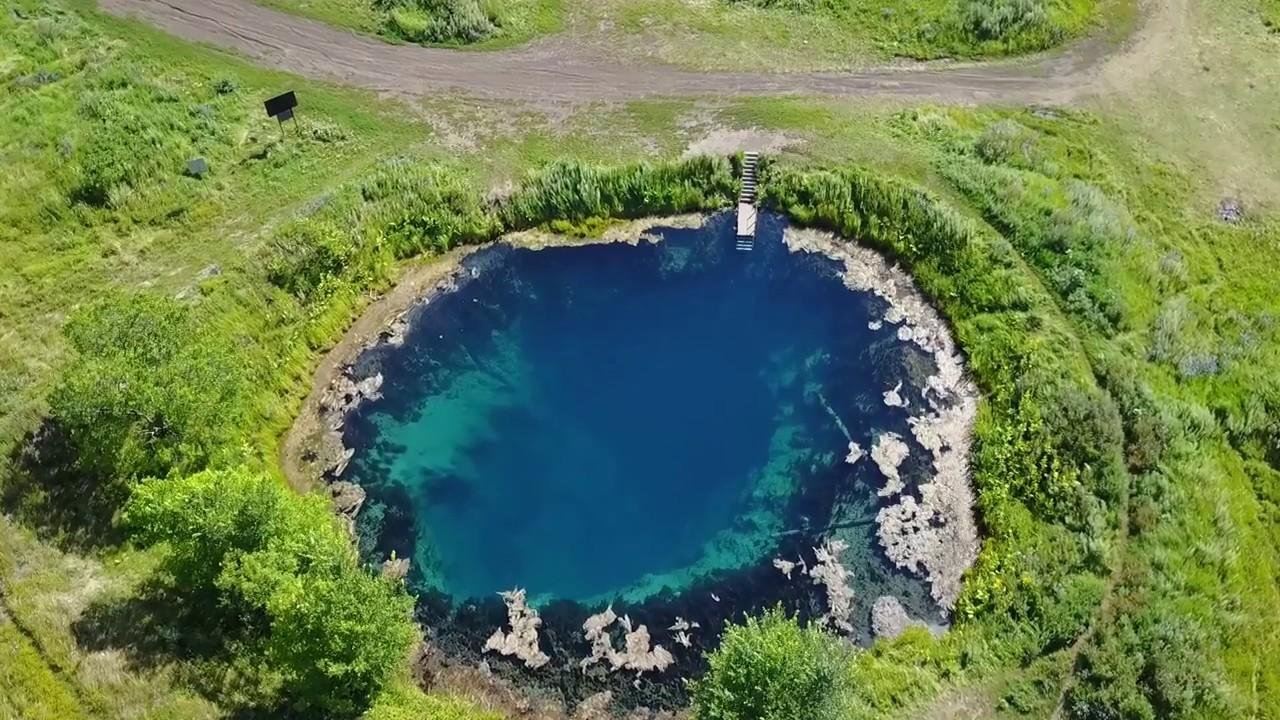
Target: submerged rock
[[595, 707], [888, 453], [889, 619], [828, 572], [640, 654], [894, 397], [856, 453], [936, 535]]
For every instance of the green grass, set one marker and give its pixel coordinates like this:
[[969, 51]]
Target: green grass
[[355, 14], [75, 85]]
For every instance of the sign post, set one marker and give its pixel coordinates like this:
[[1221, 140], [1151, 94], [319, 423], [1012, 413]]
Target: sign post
[[281, 108]]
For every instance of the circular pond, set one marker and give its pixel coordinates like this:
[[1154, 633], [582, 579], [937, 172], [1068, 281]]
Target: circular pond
[[663, 425]]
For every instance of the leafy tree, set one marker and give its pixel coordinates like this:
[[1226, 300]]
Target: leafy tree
[[150, 389], [772, 669], [338, 638], [281, 563], [234, 530]]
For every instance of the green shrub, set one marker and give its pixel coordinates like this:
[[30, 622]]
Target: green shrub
[[1155, 665], [151, 389], [418, 208], [106, 162], [309, 255], [279, 564], [575, 191], [770, 668], [892, 215], [438, 21], [1070, 231], [1002, 19]]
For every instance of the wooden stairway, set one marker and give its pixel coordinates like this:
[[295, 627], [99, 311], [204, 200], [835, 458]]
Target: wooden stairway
[[746, 239]]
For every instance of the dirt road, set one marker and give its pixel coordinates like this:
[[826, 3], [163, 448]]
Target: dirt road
[[555, 70]]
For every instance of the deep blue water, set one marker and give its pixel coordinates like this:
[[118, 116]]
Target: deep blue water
[[573, 419]]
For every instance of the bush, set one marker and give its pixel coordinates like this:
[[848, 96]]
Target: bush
[[772, 669], [418, 208], [1001, 20], [1069, 230], [575, 191], [438, 21], [897, 217], [150, 390], [1151, 666], [308, 256], [278, 566], [106, 162]]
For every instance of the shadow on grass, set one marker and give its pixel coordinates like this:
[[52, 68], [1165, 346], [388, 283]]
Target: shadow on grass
[[46, 491], [209, 648]]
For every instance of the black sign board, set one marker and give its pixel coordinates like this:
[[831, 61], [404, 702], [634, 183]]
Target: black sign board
[[282, 104]]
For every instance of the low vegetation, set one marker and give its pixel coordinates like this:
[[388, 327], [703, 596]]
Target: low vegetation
[[770, 668], [486, 23], [956, 27], [921, 28]]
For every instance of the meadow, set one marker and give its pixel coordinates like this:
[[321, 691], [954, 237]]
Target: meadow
[[167, 325]]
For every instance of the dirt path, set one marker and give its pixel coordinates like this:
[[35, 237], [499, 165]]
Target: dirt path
[[554, 70]]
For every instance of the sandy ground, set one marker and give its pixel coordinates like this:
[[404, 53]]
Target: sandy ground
[[556, 70]]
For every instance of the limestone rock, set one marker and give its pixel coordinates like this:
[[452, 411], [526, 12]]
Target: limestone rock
[[522, 641], [888, 453], [934, 535], [856, 453], [395, 569], [595, 707], [347, 498], [889, 619], [640, 654], [828, 572], [894, 397]]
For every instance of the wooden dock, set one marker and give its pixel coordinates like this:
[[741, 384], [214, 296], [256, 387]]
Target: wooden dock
[[746, 240]]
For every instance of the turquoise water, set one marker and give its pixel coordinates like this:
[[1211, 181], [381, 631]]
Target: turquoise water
[[584, 422]]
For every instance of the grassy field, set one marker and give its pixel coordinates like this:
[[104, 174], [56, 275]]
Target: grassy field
[[766, 35], [98, 118]]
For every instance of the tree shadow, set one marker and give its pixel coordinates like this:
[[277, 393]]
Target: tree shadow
[[47, 491], [210, 649], [155, 627]]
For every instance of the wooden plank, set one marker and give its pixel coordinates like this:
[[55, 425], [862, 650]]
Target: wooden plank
[[746, 220]]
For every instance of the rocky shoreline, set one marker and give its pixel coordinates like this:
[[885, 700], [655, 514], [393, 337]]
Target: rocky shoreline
[[934, 535], [313, 451]]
